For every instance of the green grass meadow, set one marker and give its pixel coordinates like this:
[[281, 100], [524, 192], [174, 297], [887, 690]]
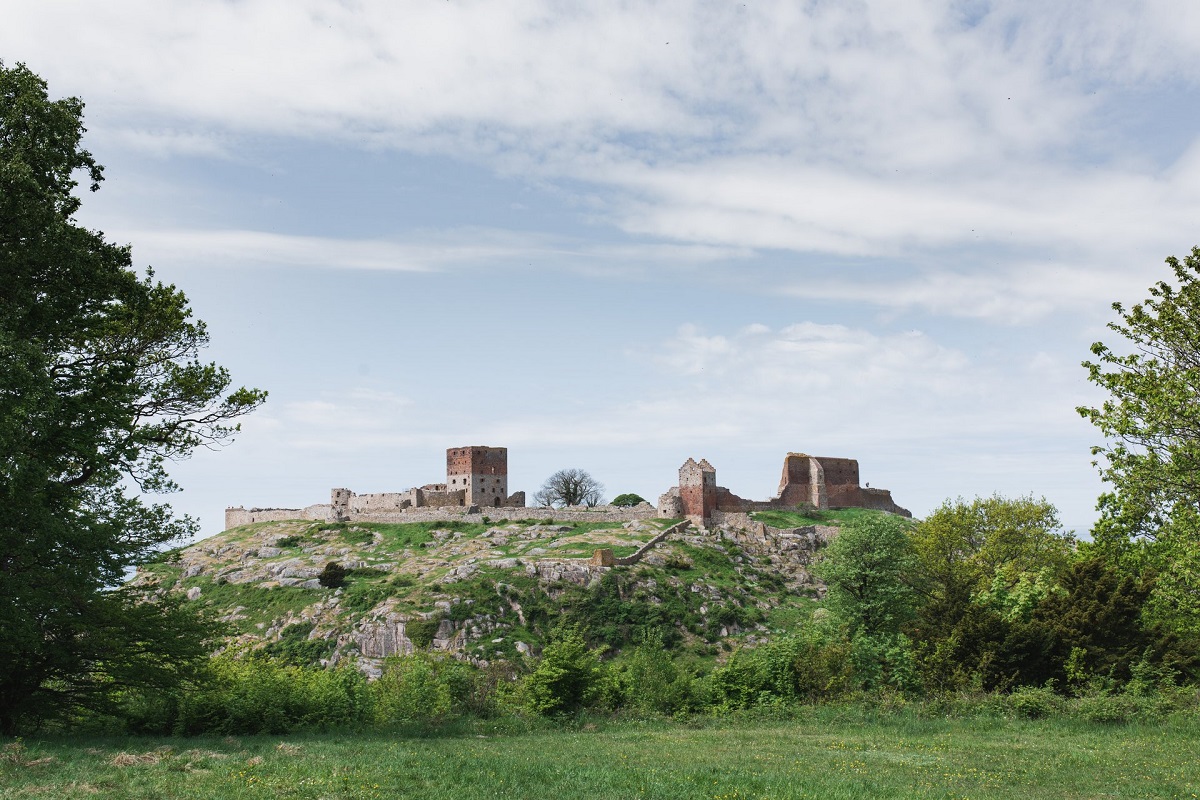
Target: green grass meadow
[[828, 755]]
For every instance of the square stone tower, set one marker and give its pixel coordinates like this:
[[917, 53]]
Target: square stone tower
[[698, 491], [481, 471]]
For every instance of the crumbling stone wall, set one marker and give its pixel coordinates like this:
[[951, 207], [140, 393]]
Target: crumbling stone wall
[[245, 516], [817, 482]]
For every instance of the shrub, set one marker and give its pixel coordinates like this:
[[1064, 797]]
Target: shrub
[[651, 682], [566, 679], [1034, 702], [260, 695], [813, 664], [628, 499], [421, 631], [333, 576], [1106, 709], [421, 688]]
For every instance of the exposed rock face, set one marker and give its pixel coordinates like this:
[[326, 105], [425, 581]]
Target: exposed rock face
[[383, 638], [578, 573]]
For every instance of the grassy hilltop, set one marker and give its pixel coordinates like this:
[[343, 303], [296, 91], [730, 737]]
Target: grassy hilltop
[[489, 590]]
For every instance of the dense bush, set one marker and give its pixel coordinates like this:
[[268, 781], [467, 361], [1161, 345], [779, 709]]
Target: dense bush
[[650, 681], [261, 695], [294, 646], [422, 688], [333, 576], [567, 679]]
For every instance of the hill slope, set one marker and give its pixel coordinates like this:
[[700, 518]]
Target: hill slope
[[488, 591]]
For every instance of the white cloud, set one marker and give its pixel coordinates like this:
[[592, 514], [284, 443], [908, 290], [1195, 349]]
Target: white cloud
[[900, 130], [1015, 294], [422, 253]]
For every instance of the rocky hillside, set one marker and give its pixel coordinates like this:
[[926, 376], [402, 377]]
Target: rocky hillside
[[494, 590]]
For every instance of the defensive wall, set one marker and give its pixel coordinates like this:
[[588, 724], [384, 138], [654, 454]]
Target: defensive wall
[[242, 516], [477, 485]]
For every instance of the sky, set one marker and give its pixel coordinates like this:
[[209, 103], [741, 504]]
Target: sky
[[614, 236]]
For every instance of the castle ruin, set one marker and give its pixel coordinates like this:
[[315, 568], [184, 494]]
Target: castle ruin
[[808, 481], [477, 480]]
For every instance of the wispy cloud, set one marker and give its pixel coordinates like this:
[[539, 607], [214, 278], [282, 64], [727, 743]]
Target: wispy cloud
[[903, 131]]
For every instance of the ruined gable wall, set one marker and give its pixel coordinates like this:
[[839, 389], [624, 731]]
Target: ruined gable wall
[[842, 486], [802, 482]]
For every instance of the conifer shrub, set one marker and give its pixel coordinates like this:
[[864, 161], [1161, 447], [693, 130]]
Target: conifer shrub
[[333, 576]]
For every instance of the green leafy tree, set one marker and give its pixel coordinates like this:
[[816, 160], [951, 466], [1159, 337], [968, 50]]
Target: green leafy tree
[[984, 566], [1151, 423], [100, 387], [567, 679], [628, 499], [995, 544], [868, 567]]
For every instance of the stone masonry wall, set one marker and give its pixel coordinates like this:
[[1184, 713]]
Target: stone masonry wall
[[576, 514], [246, 516]]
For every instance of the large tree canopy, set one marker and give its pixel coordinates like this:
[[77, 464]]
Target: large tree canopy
[[570, 487], [1151, 423], [100, 385]]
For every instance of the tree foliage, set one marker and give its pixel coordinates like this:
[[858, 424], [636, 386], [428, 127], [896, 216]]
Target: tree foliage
[[867, 567], [100, 386], [993, 545], [628, 499], [566, 679], [570, 487], [1151, 457]]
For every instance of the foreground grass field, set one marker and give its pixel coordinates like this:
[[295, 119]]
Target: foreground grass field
[[824, 757]]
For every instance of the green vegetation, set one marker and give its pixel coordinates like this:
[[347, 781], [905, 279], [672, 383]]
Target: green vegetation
[[627, 499], [804, 517], [101, 386], [257, 605], [295, 648], [822, 753], [1150, 519], [333, 576]]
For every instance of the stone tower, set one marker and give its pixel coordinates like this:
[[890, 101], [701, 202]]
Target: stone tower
[[481, 471], [698, 491], [339, 503]]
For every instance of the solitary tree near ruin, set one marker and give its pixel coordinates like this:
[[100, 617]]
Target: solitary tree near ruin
[[100, 386], [570, 487]]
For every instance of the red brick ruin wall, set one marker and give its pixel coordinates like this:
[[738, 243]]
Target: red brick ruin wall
[[841, 482], [698, 500], [796, 486], [477, 461]]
